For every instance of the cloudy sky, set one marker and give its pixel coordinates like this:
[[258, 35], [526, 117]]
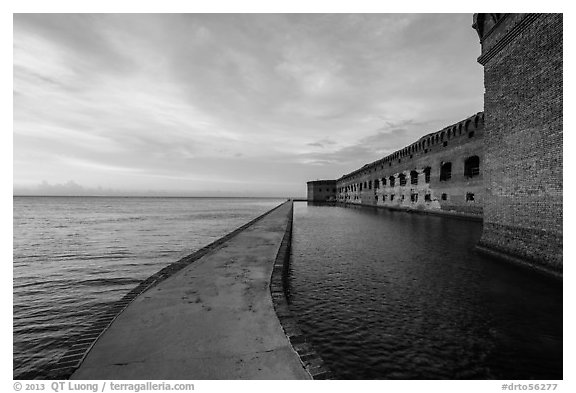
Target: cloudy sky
[[229, 104]]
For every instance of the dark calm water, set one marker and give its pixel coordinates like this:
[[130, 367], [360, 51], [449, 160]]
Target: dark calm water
[[390, 295], [75, 255]]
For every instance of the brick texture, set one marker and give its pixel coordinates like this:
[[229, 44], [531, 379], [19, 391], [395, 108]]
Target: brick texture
[[522, 57], [453, 144]]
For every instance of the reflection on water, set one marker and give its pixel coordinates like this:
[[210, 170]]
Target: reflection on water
[[391, 295]]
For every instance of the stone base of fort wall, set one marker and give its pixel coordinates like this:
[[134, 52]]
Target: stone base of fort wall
[[438, 212], [538, 249]]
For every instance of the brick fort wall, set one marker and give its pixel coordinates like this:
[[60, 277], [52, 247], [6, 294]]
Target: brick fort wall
[[522, 58], [321, 191], [413, 178]]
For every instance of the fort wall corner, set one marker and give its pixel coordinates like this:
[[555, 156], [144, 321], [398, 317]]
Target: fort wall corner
[[522, 59]]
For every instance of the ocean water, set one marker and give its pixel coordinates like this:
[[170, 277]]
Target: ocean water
[[390, 295], [74, 255]]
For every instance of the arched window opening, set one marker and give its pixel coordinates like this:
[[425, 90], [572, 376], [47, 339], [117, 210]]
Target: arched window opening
[[414, 197], [446, 171], [413, 177], [472, 166], [402, 178], [392, 181], [383, 181]]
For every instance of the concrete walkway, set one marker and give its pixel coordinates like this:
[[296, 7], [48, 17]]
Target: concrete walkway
[[212, 320]]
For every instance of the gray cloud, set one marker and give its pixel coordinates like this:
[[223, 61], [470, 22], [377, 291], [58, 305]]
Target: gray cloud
[[83, 36], [142, 101]]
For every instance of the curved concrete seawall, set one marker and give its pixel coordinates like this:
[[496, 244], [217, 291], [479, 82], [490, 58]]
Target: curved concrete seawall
[[211, 319]]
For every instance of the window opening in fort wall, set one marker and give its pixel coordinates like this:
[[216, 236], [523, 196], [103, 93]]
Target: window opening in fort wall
[[416, 176]]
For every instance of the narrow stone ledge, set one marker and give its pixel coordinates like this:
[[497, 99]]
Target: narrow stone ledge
[[72, 358], [308, 356], [537, 267], [69, 363], [83, 341], [73, 353], [324, 375], [319, 372], [435, 212]]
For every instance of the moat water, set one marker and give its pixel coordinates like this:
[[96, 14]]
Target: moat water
[[391, 295]]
